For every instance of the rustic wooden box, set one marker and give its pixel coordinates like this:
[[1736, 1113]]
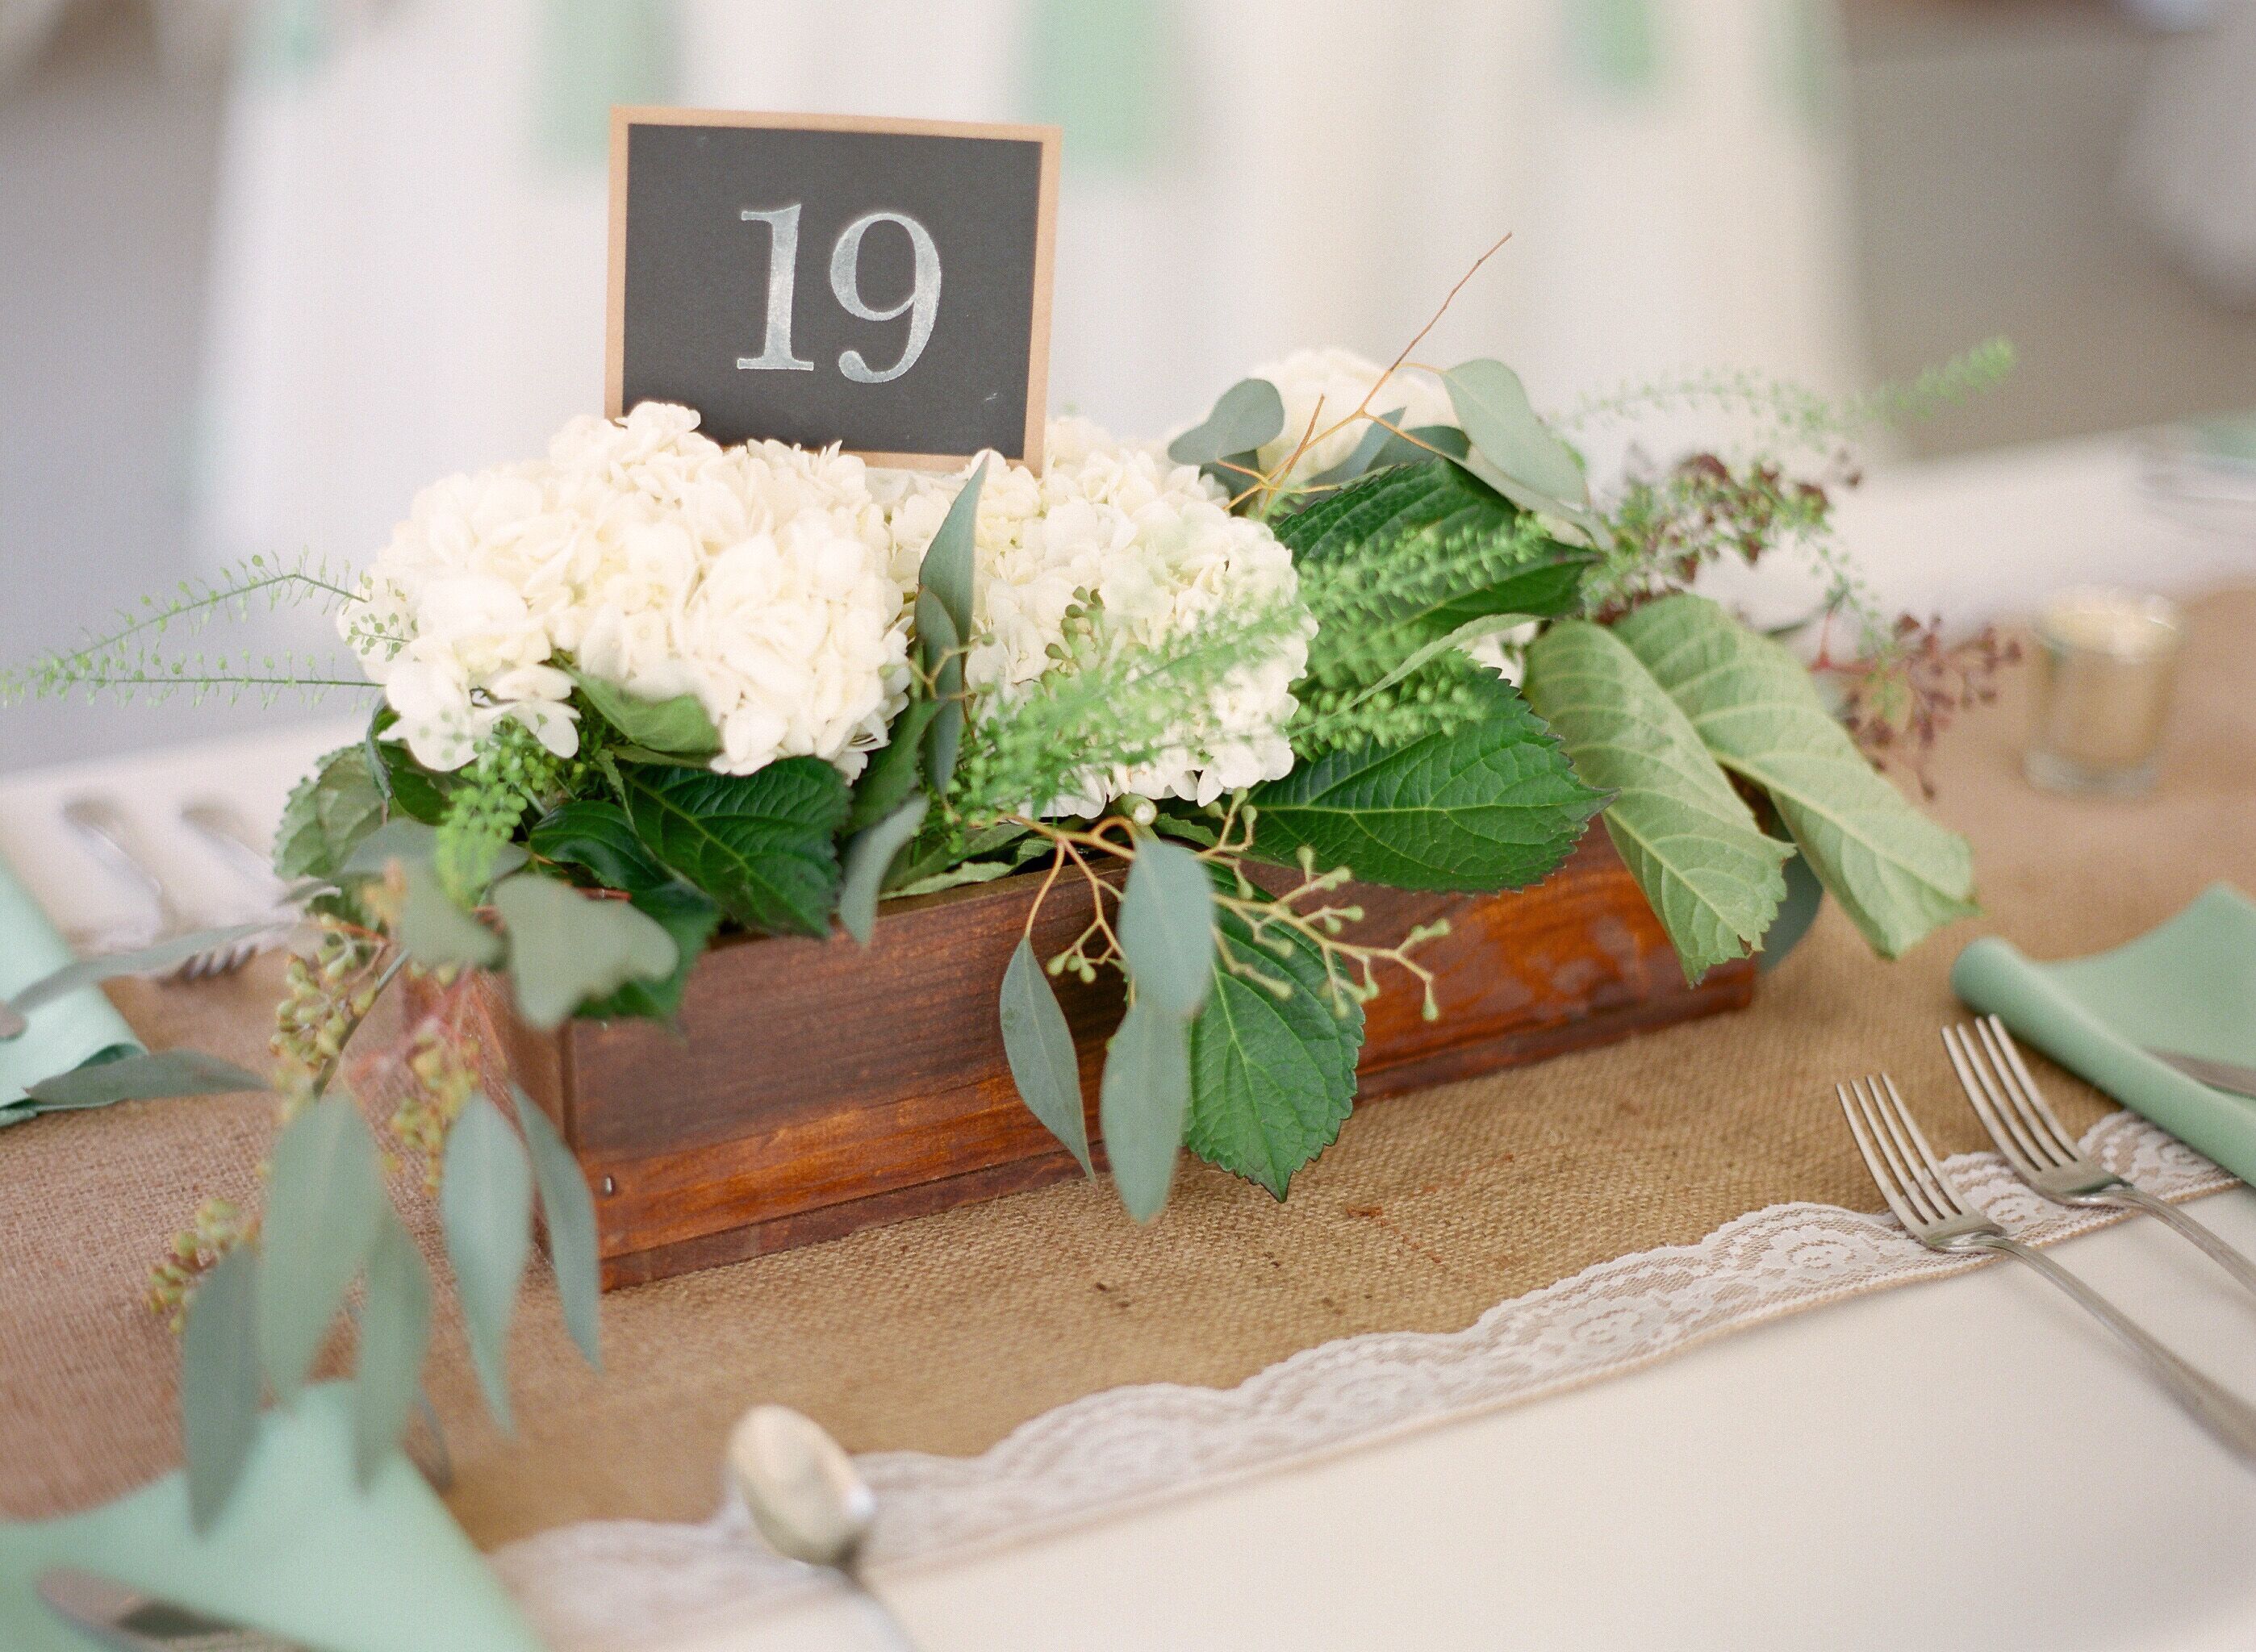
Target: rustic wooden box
[[815, 1086]]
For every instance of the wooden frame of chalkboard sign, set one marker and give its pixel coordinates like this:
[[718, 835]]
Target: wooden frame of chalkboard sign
[[702, 274]]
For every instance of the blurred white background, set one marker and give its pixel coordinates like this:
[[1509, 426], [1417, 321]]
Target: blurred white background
[[268, 266]]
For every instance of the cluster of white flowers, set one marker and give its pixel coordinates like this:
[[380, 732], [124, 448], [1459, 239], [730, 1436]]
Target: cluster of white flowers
[[774, 584], [1153, 548], [760, 579], [1325, 386]]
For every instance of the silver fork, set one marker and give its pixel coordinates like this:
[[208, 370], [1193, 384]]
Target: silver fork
[[104, 830], [2043, 1154], [1936, 1213]]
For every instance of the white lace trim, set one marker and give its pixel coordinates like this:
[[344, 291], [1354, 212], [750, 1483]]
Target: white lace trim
[[619, 1584]]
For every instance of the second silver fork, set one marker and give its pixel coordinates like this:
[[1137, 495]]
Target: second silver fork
[[1933, 1211], [2039, 1148]]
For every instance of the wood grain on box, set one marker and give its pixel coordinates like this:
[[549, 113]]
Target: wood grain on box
[[813, 1087]]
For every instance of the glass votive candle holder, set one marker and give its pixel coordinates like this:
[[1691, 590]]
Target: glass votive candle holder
[[2104, 663]]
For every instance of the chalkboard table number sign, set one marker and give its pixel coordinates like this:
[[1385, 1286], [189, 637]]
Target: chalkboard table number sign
[[818, 278]]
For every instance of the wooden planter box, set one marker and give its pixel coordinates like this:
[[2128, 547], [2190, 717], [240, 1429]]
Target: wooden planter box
[[815, 1086]]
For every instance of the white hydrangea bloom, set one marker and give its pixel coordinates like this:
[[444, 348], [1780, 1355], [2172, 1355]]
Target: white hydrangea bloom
[[758, 579], [1339, 379], [1157, 549]]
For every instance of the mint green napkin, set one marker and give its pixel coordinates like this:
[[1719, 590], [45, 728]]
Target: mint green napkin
[[2189, 985], [75, 1028], [302, 1552]]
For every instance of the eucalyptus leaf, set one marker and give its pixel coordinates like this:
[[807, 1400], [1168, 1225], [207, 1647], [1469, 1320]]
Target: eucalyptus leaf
[[395, 1331], [940, 641], [568, 1211], [485, 1207], [1712, 876], [398, 839], [145, 1078], [1492, 406], [956, 877], [1273, 1072], [328, 814], [1143, 1103], [896, 769], [434, 932], [762, 845], [1896, 873], [690, 919], [219, 1389], [147, 960], [1166, 927], [1421, 442], [1493, 804], [868, 856], [1804, 896], [325, 1202], [1376, 438], [1039, 1046], [946, 571], [566, 947], [678, 727], [1250, 414]]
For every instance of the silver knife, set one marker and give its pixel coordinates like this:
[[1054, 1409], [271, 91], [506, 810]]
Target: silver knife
[[120, 1618], [2218, 1075]]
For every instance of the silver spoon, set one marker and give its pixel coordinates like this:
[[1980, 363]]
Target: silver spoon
[[807, 1497]]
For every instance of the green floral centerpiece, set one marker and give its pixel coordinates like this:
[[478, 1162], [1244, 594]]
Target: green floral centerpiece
[[648, 689]]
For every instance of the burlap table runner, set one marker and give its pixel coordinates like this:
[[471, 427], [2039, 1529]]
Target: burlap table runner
[[943, 1334]]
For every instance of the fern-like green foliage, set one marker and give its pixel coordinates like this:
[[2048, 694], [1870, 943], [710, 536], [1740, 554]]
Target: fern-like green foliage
[[1794, 412], [129, 660], [1105, 708], [1401, 568]]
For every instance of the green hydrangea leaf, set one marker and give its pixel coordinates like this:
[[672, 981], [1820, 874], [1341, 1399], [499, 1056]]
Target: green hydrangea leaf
[[1407, 556], [595, 835], [1491, 804], [1273, 1072], [763, 846], [1710, 874], [1897, 874], [330, 812], [677, 728], [1250, 414]]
